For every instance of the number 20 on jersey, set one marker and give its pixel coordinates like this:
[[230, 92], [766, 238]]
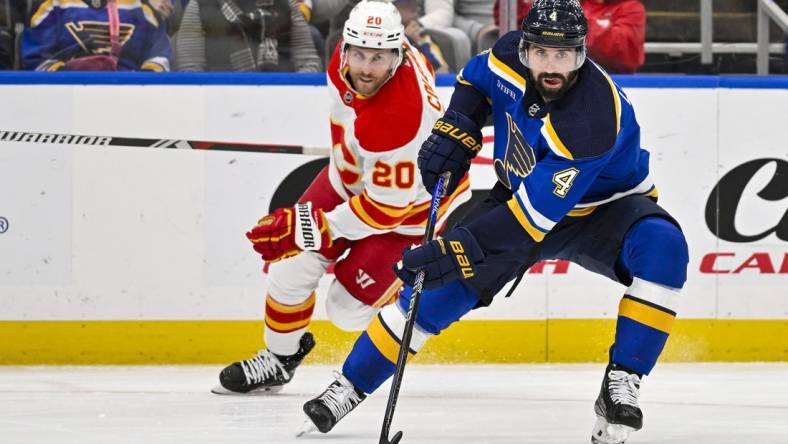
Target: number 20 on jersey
[[401, 175]]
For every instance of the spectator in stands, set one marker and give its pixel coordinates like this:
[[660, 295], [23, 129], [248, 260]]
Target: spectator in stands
[[11, 13], [169, 11], [318, 36], [6, 41], [322, 11], [417, 35], [473, 17], [616, 32], [95, 35], [164, 8], [6, 50], [523, 6], [245, 35], [330, 16], [785, 55]]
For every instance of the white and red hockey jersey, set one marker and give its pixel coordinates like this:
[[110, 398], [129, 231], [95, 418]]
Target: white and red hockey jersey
[[375, 143]]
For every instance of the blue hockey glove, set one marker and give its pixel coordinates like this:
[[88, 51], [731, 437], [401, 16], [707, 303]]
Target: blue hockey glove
[[455, 140], [456, 255]]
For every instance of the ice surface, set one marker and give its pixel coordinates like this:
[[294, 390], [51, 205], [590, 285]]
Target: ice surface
[[682, 403]]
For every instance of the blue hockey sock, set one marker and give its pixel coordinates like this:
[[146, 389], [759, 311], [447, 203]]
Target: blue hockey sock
[[371, 362], [655, 253], [375, 352], [642, 330]]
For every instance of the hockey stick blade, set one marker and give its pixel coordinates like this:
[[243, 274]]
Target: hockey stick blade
[[410, 317], [133, 142], [395, 439]]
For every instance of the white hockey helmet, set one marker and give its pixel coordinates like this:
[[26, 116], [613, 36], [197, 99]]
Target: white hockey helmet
[[375, 24]]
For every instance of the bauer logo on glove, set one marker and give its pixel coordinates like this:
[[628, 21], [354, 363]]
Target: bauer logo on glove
[[460, 135], [463, 262], [456, 255], [288, 231], [455, 140]]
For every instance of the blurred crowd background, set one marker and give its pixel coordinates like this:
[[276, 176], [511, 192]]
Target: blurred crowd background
[[300, 35]]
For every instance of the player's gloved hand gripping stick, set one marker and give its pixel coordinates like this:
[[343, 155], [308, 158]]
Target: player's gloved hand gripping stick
[[410, 318], [455, 140], [455, 255]]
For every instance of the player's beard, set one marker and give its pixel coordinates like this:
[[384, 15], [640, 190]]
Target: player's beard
[[370, 86], [553, 94]]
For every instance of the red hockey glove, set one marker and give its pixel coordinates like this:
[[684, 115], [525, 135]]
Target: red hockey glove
[[288, 231]]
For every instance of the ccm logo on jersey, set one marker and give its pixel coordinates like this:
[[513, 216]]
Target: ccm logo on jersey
[[458, 135]]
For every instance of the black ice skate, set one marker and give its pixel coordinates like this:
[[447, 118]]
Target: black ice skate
[[326, 410], [264, 373], [616, 408]]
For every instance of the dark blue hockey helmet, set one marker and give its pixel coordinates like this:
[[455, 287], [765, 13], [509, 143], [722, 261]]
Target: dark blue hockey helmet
[[555, 23]]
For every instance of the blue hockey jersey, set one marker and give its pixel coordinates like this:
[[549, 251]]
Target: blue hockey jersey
[[64, 29], [564, 157]]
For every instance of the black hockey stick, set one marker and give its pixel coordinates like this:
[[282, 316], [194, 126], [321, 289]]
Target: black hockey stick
[[410, 317], [74, 139]]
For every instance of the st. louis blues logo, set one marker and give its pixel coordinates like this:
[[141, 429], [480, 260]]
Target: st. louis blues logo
[[93, 36], [519, 158]]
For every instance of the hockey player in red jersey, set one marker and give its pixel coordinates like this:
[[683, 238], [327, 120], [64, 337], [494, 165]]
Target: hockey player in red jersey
[[368, 203]]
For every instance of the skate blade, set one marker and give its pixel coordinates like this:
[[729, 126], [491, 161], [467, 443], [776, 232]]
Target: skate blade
[[307, 427], [263, 391], [606, 433]]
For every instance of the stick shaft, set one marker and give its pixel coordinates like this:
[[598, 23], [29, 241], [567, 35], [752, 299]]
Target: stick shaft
[[410, 318], [75, 139]]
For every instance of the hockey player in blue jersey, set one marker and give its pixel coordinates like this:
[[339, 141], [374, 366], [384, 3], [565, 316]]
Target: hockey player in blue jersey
[[573, 184], [95, 35]]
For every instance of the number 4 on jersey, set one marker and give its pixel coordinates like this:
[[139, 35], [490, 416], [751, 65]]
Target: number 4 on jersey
[[563, 181]]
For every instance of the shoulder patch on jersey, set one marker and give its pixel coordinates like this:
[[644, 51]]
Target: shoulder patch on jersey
[[585, 122], [504, 59], [392, 117]]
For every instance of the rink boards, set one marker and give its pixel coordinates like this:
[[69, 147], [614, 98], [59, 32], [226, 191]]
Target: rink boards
[[134, 255]]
